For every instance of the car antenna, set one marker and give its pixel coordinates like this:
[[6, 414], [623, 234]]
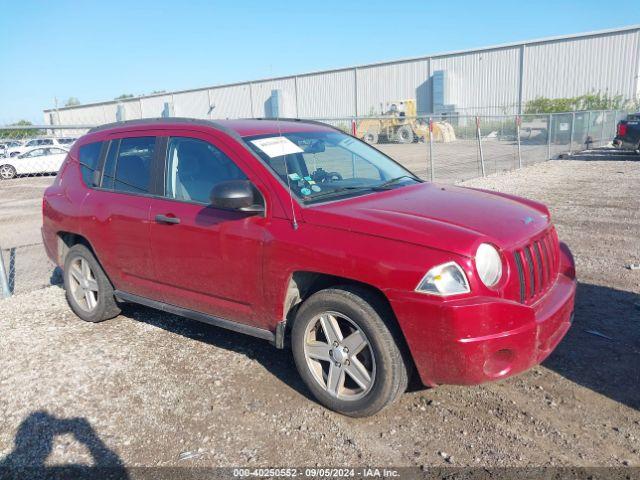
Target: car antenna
[[294, 221]]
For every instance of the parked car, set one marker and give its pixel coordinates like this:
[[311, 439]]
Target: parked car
[[628, 133], [299, 234], [36, 160], [66, 141], [8, 144], [63, 142]]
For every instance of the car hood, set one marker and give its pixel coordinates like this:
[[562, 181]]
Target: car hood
[[445, 217]]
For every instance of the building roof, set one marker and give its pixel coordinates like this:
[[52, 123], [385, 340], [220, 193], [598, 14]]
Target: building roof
[[390, 62]]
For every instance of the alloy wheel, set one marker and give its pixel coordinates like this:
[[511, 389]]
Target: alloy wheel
[[339, 356], [84, 286], [7, 172]]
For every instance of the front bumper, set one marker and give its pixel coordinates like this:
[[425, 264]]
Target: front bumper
[[478, 339]]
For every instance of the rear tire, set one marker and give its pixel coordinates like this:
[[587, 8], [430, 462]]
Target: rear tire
[[88, 290], [7, 172], [371, 137], [363, 380]]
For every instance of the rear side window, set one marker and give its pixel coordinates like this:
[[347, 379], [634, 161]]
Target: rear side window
[[133, 165], [89, 157]]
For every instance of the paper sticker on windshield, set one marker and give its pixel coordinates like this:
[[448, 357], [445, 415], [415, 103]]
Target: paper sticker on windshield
[[276, 146]]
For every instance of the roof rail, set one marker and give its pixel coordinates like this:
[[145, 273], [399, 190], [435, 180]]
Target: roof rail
[[295, 119], [200, 121], [160, 121]]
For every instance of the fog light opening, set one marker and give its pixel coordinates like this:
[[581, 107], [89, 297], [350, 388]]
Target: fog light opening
[[499, 363]]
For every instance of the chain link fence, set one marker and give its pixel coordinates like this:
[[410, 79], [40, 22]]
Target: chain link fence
[[454, 148], [29, 159], [446, 148]]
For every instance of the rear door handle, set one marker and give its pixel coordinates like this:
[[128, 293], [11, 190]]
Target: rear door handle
[[167, 219]]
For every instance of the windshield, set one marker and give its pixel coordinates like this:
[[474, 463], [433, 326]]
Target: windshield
[[323, 166]]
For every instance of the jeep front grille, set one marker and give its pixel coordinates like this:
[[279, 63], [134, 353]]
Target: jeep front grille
[[537, 265]]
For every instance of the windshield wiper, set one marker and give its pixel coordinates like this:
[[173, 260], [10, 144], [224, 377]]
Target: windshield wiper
[[338, 191], [393, 181]]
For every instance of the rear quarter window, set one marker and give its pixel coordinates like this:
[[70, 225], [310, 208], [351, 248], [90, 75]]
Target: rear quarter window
[[89, 156]]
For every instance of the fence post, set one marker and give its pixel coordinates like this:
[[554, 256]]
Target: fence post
[[573, 121], [431, 175], [549, 136], [518, 120], [480, 145], [4, 280], [604, 116]]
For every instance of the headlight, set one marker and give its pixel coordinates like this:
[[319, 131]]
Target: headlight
[[488, 264], [443, 280]]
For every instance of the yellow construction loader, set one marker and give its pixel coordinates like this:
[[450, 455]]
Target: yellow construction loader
[[399, 124]]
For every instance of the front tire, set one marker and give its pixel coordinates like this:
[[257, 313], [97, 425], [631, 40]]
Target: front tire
[[7, 172], [345, 352], [404, 134], [88, 290]]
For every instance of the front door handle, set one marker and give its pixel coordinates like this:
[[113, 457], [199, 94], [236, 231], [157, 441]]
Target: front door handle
[[167, 219]]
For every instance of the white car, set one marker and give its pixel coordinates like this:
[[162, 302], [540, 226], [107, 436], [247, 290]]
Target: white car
[[64, 142], [6, 145], [36, 160]]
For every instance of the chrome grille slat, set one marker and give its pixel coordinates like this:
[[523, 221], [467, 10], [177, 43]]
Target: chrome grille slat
[[541, 268], [531, 274], [545, 254], [520, 276]]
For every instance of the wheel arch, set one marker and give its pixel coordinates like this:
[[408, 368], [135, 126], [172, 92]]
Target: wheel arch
[[303, 284], [66, 240]]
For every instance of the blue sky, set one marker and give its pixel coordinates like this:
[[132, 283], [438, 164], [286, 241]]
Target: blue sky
[[97, 50]]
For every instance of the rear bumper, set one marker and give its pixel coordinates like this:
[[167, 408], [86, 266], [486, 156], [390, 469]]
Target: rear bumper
[[479, 339], [49, 241], [622, 144]]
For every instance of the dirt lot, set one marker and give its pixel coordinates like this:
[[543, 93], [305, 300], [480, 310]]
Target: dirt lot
[[151, 389]]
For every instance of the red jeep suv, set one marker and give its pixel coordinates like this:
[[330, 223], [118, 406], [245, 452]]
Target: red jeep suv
[[297, 233]]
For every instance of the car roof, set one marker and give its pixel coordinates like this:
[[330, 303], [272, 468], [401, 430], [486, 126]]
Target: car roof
[[43, 147], [242, 127]]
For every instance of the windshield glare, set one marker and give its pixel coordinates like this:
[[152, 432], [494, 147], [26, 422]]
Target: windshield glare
[[325, 165]]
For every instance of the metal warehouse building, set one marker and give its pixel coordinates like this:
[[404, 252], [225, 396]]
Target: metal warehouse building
[[491, 80]]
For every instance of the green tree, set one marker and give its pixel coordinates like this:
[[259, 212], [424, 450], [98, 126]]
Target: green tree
[[20, 132], [71, 102], [589, 101]]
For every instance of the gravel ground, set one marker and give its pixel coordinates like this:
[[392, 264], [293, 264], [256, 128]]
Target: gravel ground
[[150, 389]]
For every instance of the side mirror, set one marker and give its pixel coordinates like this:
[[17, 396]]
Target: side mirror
[[234, 195]]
